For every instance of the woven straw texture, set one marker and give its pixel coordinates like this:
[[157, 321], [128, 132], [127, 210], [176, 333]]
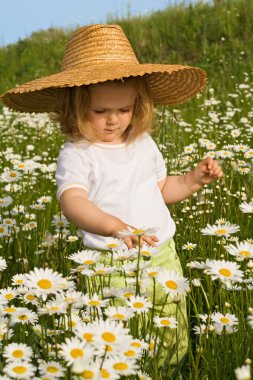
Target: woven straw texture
[[98, 53]]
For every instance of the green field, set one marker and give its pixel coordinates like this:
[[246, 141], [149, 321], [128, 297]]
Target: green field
[[214, 236]]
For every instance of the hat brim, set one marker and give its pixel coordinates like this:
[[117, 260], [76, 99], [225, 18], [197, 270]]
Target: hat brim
[[169, 84]]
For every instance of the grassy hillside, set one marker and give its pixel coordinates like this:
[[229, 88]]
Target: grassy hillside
[[218, 36]]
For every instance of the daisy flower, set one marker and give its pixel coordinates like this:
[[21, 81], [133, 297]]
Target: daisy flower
[[224, 319], [85, 257], [250, 320], [71, 297], [170, 322], [102, 270], [7, 294], [94, 301], [17, 351], [140, 344], [18, 279], [145, 251], [6, 201], [152, 272], [111, 333], [120, 313], [52, 307], [173, 283], [243, 373], [24, 316], [4, 230], [122, 254], [137, 231], [114, 244], [19, 369], [123, 366], [241, 251], [85, 331], [51, 368], [139, 304], [3, 264], [75, 350], [143, 376], [224, 270], [246, 208], [107, 372], [11, 176], [44, 282], [220, 229], [189, 246]]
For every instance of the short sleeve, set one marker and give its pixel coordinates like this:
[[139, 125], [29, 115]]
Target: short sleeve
[[160, 164], [72, 170]]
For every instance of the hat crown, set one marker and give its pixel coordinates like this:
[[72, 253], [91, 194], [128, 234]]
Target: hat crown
[[98, 43]]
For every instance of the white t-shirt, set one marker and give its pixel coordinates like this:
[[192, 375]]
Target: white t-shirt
[[121, 180]]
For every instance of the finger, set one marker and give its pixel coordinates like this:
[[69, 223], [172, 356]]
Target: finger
[[149, 241]]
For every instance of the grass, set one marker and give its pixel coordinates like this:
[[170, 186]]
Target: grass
[[218, 121]]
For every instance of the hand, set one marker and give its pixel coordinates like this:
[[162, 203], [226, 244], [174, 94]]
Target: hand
[[132, 241], [207, 171], [132, 236]]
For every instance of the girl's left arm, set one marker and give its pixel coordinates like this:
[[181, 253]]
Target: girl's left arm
[[177, 188]]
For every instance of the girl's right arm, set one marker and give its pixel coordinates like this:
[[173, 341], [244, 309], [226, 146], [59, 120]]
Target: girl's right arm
[[87, 216]]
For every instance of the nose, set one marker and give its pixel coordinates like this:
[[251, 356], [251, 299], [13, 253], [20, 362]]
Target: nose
[[112, 118]]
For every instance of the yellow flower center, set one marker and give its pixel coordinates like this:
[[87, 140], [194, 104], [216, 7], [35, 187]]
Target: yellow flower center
[[54, 308], [138, 305], [13, 174], [221, 232], [104, 374], [20, 282], [30, 297], [153, 274], [224, 320], [77, 353], [23, 317], [118, 316], [171, 284], [89, 262], [88, 337], [130, 353], [100, 271], [21, 166], [44, 283], [19, 369], [10, 310], [52, 369], [136, 344], [18, 354], [138, 232], [145, 253], [9, 296], [120, 366], [244, 253], [87, 375], [94, 303], [1, 229], [108, 337], [225, 272], [128, 295], [151, 346], [165, 322], [112, 245]]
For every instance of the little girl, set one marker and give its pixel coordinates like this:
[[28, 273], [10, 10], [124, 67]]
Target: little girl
[[111, 176]]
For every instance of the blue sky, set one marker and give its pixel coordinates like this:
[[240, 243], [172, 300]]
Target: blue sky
[[19, 18]]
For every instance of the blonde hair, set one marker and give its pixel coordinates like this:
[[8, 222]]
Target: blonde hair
[[73, 103]]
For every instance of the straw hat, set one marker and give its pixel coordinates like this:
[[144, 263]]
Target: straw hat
[[98, 53]]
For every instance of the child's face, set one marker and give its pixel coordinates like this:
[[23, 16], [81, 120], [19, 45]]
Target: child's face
[[110, 111]]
